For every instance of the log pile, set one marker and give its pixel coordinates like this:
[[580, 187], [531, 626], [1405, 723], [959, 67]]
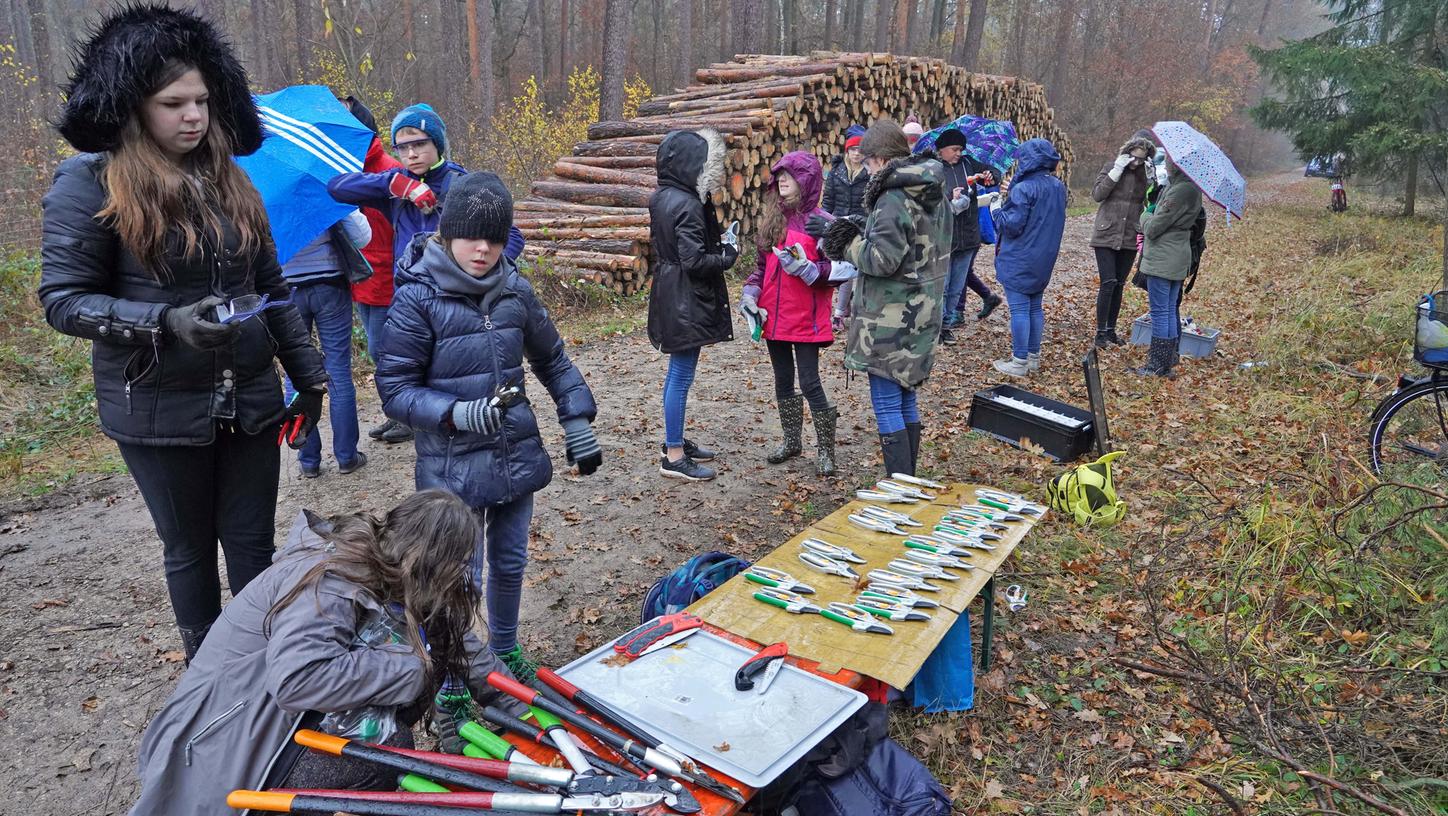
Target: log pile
[[591, 214]]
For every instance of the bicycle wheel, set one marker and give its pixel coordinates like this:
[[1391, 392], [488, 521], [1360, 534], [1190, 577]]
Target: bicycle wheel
[[1411, 429]]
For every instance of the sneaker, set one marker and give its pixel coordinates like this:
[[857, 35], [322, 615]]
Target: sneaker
[[523, 667], [356, 464], [313, 472], [379, 431], [686, 469], [451, 708], [1016, 367], [1033, 362], [947, 337], [989, 306], [397, 433], [693, 451]]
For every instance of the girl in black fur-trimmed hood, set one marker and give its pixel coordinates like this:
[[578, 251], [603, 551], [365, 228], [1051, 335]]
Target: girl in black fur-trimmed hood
[[689, 302], [145, 234]]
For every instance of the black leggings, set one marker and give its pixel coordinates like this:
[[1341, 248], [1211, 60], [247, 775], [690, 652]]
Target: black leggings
[[1114, 265], [786, 357], [198, 494]]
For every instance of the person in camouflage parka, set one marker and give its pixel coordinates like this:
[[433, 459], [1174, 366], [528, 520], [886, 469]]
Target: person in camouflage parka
[[902, 250]]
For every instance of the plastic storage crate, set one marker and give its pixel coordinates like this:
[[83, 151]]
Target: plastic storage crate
[[1013, 414], [1430, 330], [1201, 344]]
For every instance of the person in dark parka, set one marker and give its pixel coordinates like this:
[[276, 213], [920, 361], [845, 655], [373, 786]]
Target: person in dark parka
[[145, 234], [461, 325], [1030, 221], [845, 195], [1120, 189], [689, 301]]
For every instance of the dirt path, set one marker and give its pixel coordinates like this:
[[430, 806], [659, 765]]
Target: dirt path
[[90, 649]]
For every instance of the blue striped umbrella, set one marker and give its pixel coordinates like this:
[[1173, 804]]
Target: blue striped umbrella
[[310, 139]]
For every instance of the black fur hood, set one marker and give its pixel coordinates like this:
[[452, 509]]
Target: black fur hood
[[117, 67]]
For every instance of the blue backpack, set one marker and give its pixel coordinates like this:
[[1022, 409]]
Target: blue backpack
[[698, 577]]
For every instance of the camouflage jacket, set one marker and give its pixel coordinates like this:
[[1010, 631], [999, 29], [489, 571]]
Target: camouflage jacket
[[903, 256]]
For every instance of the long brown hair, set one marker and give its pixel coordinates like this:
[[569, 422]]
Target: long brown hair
[[776, 215], [147, 195], [420, 556]]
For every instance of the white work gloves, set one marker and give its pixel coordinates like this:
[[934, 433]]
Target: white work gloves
[[1119, 167], [1161, 178], [841, 271], [988, 199]]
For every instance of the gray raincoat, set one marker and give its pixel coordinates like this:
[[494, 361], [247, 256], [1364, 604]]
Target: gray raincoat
[[245, 693]]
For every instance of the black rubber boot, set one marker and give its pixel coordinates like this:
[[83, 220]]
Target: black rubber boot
[[824, 425], [191, 639], [791, 419], [1103, 339], [1158, 359], [912, 430], [896, 448]]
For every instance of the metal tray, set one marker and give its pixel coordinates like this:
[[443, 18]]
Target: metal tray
[[685, 695]]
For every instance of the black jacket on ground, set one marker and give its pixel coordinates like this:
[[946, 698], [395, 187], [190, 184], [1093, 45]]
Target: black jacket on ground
[[689, 301], [965, 227], [151, 389], [842, 196]]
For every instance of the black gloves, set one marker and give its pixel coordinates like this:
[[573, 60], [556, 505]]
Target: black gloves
[[817, 224], [302, 414], [193, 326], [839, 234], [582, 446], [731, 254]]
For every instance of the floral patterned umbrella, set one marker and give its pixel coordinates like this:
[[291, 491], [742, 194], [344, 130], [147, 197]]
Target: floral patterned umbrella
[[989, 141], [1205, 164]]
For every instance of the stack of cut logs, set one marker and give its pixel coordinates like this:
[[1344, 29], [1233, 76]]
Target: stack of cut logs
[[591, 213]]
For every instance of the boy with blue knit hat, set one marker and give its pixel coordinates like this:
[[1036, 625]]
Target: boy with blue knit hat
[[462, 326], [410, 197]]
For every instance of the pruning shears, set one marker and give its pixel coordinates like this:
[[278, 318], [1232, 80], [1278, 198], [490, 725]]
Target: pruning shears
[[827, 565], [965, 536], [889, 610], [898, 595], [992, 513], [904, 489], [855, 618], [920, 571], [1012, 502], [777, 579], [891, 516], [966, 519], [884, 496], [895, 579], [788, 601], [934, 545], [829, 550], [917, 481], [933, 559], [875, 525]]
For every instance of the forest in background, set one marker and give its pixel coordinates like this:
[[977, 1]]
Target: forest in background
[[517, 78]]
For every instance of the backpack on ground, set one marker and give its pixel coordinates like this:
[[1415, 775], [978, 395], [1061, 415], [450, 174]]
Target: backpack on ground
[[890, 782], [698, 577], [1087, 494]]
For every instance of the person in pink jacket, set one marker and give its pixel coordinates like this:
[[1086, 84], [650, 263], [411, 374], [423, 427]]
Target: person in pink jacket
[[792, 286]]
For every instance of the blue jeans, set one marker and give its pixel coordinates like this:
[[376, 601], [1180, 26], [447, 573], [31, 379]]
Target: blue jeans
[[1028, 321], [894, 405], [374, 318], [505, 547], [1163, 297], [955, 285], [676, 394], [328, 306]]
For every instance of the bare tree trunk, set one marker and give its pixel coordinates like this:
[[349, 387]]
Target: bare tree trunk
[[973, 34], [1065, 23], [540, 37], [1015, 53], [615, 59], [684, 63], [937, 23], [1410, 185], [829, 23], [1445, 251], [257, 62], [884, 13], [40, 42], [475, 67], [726, 41], [857, 24], [1262, 21], [482, 20], [749, 26], [957, 39], [900, 25], [791, 24]]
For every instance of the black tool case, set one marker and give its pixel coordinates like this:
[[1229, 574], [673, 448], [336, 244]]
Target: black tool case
[[1064, 437]]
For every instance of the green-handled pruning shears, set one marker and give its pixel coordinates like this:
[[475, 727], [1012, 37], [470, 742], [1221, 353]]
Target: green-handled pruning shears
[[933, 559], [899, 595], [920, 571], [788, 601], [1011, 501], [777, 579], [934, 545], [887, 609], [855, 618]]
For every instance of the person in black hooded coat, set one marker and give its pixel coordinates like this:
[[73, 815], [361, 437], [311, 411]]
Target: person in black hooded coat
[[145, 234], [689, 302]]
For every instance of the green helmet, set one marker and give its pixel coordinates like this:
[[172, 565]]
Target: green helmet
[[1087, 494]]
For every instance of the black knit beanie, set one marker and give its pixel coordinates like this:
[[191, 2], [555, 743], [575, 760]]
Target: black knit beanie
[[950, 138], [477, 206]]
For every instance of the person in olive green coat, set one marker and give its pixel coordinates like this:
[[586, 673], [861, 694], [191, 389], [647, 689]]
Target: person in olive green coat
[[1166, 260]]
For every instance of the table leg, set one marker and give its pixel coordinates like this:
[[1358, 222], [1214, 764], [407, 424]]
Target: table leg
[[987, 627]]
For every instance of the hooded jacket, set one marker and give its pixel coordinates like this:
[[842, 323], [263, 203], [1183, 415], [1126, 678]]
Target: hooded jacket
[[689, 301], [1121, 201], [377, 290], [1167, 248], [245, 693], [903, 256], [965, 225], [150, 388], [844, 195], [799, 312], [367, 189], [440, 347], [1031, 221]]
